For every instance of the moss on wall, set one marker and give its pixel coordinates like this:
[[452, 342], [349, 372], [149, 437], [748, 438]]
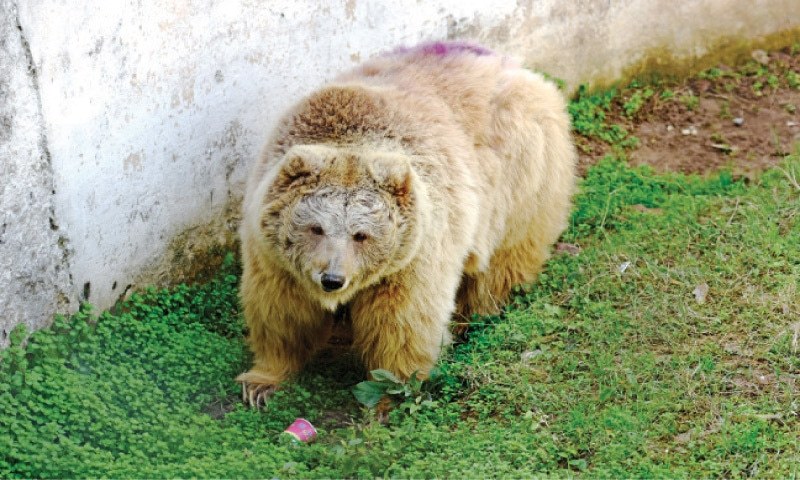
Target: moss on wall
[[663, 63]]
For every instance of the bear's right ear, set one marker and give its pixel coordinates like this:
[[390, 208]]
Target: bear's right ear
[[393, 173], [301, 162]]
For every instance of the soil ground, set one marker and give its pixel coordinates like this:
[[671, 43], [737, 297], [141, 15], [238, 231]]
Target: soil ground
[[746, 119]]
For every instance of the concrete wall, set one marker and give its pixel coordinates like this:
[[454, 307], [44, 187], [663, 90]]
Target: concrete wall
[[127, 125], [34, 265]]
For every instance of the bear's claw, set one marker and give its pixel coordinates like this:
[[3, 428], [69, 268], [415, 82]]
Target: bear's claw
[[256, 395]]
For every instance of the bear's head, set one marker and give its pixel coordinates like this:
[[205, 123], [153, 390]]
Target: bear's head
[[340, 218]]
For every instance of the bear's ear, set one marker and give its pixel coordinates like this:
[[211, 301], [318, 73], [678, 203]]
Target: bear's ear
[[393, 173], [300, 162]]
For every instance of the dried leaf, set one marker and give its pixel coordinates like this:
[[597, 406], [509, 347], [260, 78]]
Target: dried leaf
[[700, 293], [724, 147], [569, 248], [529, 355], [641, 208]]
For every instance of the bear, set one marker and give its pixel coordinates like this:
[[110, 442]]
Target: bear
[[419, 187]]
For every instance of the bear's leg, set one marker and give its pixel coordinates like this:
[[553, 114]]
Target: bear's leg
[[285, 331], [486, 292], [278, 353], [401, 324]]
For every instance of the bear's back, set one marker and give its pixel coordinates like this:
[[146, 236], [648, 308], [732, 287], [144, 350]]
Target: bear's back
[[462, 76]]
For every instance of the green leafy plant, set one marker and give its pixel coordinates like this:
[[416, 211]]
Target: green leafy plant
[[690, 101], [793, 79], [385, 384], [711, 74], [588, 112], [666, 94], [773, 81], [636, 101]]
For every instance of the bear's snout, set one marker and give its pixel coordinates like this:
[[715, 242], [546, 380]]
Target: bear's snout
[[331, 282]]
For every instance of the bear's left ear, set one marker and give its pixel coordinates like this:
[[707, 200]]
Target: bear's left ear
[[393, 173], [301, 161]]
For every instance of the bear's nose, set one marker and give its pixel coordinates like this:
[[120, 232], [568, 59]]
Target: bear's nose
[[331, 282]]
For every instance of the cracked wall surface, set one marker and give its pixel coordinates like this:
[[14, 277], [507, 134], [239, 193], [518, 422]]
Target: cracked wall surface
[[127, 127], [34, 264]]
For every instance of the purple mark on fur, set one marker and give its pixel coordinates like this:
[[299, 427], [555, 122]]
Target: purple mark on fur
[[441, 49]]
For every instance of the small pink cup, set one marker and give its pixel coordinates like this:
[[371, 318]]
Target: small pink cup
[[302, 430]]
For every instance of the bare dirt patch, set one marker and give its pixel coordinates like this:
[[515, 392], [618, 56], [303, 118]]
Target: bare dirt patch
[[746, 119]]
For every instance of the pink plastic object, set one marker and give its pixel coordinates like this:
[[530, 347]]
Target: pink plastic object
[[302, 430]]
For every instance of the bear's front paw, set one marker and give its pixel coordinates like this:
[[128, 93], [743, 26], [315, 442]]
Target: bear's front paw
[[256, 395], [256, 388]]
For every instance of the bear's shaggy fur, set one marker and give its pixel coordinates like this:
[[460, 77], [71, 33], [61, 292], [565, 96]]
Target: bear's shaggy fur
[[425, 183]]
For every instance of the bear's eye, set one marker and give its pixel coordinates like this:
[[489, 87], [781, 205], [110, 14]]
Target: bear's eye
[[360, 237], [317, 230]]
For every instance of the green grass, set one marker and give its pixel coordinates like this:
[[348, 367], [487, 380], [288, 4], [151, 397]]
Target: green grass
[[610, 366], [592, 372], [588, 113]]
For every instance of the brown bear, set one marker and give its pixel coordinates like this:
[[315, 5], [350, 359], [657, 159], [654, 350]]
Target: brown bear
[[425, 183]]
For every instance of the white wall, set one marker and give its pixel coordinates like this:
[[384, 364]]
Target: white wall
[[151, 111], [34, 275]]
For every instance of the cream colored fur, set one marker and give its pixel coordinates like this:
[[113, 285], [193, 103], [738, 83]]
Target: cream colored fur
[[470, 163]]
